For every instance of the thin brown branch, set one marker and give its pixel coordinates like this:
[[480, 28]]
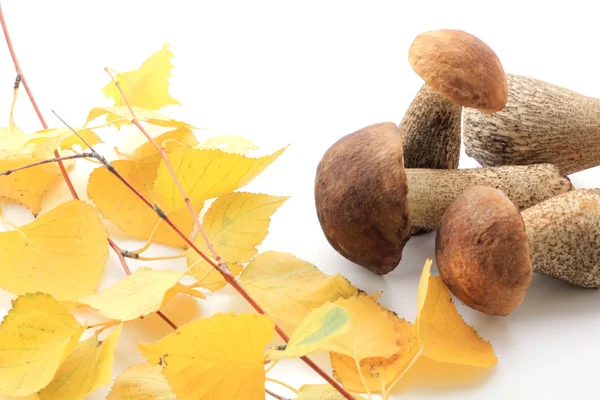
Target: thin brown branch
[[275, 395], [21, 79], [163, 153], [51, 160]]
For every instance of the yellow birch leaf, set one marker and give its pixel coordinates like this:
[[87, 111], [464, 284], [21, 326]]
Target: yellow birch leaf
[[318, 328], [221, 357], [141, 382], [372, 329], [235, 224], [148, 86], [66, 138], [134, 296], [62, 253], [121, 115], [36, 336], [320, 392], [87, 368], [229, 144], [118, 204], [289, 288]]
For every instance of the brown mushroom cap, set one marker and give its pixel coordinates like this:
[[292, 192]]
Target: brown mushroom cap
[[482, 253], [461, 67], [360, 197]]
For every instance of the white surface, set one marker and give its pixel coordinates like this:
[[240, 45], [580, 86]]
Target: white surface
[[307, 74]]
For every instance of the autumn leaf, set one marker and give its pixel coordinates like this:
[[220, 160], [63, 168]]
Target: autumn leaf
[[289, 288], [36, 336], [88, 368], [62, 253], [141, 382], [220, 357], [235, 224], [439, 333], [320, 392], [121, 115], [229, 144], [204, 174], [148, 86], [66, 139], [318, 328], [141, 293]]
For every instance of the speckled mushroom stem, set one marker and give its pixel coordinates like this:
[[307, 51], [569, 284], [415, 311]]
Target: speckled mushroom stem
[[541, 123], [432, 191], [563, 234], [431, 131]]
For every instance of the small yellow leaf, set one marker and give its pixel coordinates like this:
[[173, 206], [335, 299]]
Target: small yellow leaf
[[62, 253], [443, 332], [229, 144], [120, 115], [48, 140], [147, 86], [235, 224], [372, 329], [142, 382], [218, 358], [317, 329], [134, 296], [84, 370], [320, 392], [36, 335], [289, 288]]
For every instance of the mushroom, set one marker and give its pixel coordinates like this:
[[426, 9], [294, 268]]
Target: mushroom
[[486, 251], [482, 253], [459, 70], [563, 234], [541, 123], [431, 191], [360, 197]]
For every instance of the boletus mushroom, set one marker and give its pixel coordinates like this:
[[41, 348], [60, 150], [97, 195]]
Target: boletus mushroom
[[459, 70], [360, 197], [541, 123], [482, 253], [431, 191], [486, 250]]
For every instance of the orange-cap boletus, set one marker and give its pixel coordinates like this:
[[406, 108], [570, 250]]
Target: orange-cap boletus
[[360, 197], [459, 70]]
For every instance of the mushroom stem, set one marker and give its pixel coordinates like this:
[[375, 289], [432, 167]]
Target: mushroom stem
[[431, 131], [541, 123], [432, 191], [563, 235]]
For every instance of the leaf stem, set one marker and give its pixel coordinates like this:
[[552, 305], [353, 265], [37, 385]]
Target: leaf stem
[[173, 257], [21, 79], [163, 153], [270, 367], [285, 385], [275, 395]]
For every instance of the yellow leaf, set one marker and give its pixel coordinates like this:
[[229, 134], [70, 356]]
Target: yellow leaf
[[320, 392], [317, 329], [84, 370], [439, 333], [289, 288], [204, 174], [120, 115], [229, 144], [147, 86], [235, 224], [441, 329], [136, 295], [62, 253], [36, 336], [372, 329], [142, 382], [68, 140], [221, 357]]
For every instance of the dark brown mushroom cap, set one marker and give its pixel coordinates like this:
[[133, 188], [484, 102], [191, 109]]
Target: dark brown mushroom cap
[[461, 67], [482, 253], [360, 197]]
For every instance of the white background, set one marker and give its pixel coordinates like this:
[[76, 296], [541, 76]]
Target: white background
[[307, 73]]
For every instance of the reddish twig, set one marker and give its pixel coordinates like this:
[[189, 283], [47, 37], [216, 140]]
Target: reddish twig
[[163, 153], [58, 159]]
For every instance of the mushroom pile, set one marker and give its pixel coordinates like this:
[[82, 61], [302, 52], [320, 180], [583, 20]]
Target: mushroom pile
[[496, 225]]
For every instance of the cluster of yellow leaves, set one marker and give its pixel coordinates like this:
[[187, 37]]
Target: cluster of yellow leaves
[[42, 352]]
